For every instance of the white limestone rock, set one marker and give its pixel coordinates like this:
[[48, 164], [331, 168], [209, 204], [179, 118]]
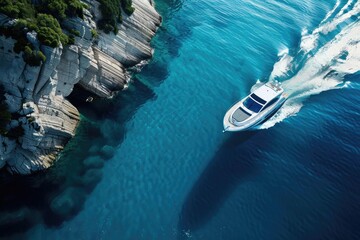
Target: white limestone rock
[[32, 38], [105, 76], [37, 94], [68, 71], [11, 67], [131, 44], [53, 57]]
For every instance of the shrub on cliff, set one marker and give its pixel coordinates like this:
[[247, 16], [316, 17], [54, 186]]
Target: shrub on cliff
[[54, 7], [74, 8], [17, 9], [18, 32], [61, 9], [94, 33], [49, 31], [110, 10], [33, 57], [71, 40], [111, 13], [48, 37], [43, 17], [74, 32], [126, 6]]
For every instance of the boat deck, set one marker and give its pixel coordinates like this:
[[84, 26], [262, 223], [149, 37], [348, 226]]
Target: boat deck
[[240, 115]]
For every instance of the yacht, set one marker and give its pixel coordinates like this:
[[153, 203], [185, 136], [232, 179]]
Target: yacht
[[256, 108]]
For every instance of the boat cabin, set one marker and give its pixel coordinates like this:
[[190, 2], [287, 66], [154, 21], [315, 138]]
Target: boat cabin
[[257, 101]]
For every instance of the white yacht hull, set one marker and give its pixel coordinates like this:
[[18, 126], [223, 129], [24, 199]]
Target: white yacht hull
[[261, 117]]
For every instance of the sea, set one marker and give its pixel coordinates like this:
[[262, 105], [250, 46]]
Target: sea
[[153, 163]]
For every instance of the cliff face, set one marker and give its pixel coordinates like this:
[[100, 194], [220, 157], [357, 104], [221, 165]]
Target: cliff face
[[36, 96]]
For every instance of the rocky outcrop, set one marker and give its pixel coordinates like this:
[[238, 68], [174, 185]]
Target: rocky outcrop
[[131, 44], [48, 120], [105, 76], [36, 96]]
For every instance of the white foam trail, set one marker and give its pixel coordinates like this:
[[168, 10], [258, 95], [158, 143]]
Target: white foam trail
[[309, 40], [331, 12], [293, 105], [351, 64], [322, 72], [352, 85], [340, 18], [344, 8], [282, 67]]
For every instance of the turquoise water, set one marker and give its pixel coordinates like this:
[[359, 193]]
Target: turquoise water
[[170, 172]]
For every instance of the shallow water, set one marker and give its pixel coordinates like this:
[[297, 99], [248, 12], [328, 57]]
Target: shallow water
[[153, 163]]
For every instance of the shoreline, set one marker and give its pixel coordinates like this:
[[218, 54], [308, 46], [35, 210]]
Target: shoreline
[[99, 66]]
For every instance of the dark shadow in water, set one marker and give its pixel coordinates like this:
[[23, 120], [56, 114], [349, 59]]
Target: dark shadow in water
[[123, 105], [175, 29], [58, 194], [232, 164], [335, 157]]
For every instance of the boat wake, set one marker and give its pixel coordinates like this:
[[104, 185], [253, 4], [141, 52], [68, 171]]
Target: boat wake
[[319, 64]]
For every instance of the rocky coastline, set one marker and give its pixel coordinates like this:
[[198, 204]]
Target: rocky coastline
[[37, 95]]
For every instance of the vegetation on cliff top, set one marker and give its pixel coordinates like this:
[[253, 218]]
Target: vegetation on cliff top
[[62, 8], [59, 9], [45, 18], [111, 13]]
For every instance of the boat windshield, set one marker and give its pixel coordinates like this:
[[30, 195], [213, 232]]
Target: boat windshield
[[257, 98], [250, 104]]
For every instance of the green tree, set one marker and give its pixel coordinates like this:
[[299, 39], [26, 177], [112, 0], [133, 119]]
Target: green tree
[[33, 57], [17, 9], [57, 8], [111, 13], [49, 31]]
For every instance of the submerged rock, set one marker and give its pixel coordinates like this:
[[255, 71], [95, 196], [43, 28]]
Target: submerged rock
[[37, 94], [107, 151], [94, 162], [68, 202], [10, 218], [91, 178]]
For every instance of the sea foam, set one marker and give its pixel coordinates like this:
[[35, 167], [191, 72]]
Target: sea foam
[[326, 67]]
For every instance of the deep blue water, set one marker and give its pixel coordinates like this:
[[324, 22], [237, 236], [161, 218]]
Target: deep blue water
[[171, 173]]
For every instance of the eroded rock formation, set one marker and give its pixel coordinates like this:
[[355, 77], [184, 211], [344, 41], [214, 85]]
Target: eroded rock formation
[[36, 96]]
